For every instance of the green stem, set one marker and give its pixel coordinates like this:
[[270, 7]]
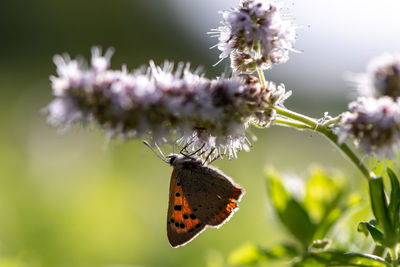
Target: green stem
[[261, 76], [291, 123], [332, 121], [259, 70], [297, 116], [348, 151], [300, 121], [313, 124], [394, 251]]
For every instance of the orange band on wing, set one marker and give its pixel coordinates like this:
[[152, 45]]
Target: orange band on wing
[[231, 206], [183, 218]]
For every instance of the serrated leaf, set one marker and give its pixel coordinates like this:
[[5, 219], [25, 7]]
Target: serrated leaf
[[337, 258], [290, 212], [394, 205], [368, 228], [380, 209]]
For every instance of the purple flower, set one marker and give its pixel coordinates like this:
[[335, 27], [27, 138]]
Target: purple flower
[[374, 125], [166, 104], [255, 35]]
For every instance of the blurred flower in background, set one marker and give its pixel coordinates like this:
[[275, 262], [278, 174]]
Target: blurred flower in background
[[374, 118], [382, 77]]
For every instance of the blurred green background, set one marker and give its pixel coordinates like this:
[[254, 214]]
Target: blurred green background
[[71, 199]]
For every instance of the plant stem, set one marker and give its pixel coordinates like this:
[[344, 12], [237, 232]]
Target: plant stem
[[297, 116], [305, 122], [300, 121], [291, 123], [332, 121], [394, 251], [261, 76]]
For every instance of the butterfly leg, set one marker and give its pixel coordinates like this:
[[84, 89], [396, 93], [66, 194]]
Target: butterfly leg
[[185, 148], [193, 153], [208, 156]]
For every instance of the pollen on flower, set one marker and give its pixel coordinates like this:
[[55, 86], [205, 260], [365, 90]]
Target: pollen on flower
[[382, 77], [374, 125], [254, 35], [164, 103]]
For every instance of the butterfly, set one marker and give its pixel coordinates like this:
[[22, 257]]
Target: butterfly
[[200, 196]]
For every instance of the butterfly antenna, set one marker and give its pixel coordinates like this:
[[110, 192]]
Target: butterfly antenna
[[176, 142], [162, 157], [159, 150]]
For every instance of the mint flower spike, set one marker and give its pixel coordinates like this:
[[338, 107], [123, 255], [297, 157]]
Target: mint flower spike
[[374, 126], [382, 77], [161, 103], [255, 35]]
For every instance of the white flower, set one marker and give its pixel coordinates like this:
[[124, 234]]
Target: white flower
[[162, 103], [374, 125], [255, 35]]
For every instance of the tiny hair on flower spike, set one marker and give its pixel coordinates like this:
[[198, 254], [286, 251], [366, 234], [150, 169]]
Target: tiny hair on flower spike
[[163, 103]]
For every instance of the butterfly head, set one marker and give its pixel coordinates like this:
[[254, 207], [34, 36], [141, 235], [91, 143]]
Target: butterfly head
[[172, 159], [178, 159]]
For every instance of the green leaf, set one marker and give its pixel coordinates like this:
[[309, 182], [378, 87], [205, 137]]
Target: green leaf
[[319, 245], [281, 251], [246, 254], [380, 209], [290, 212], [337, 258], [394, 205], [368, 228], [337, 210], [252, 254], [322, 193], [325, 200], [329, 220]]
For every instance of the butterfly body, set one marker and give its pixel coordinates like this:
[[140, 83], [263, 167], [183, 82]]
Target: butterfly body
[[200, 196]]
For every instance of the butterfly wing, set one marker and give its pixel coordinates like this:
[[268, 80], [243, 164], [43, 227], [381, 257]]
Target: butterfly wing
[[200, 196], [182, 226], [212, 195]]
